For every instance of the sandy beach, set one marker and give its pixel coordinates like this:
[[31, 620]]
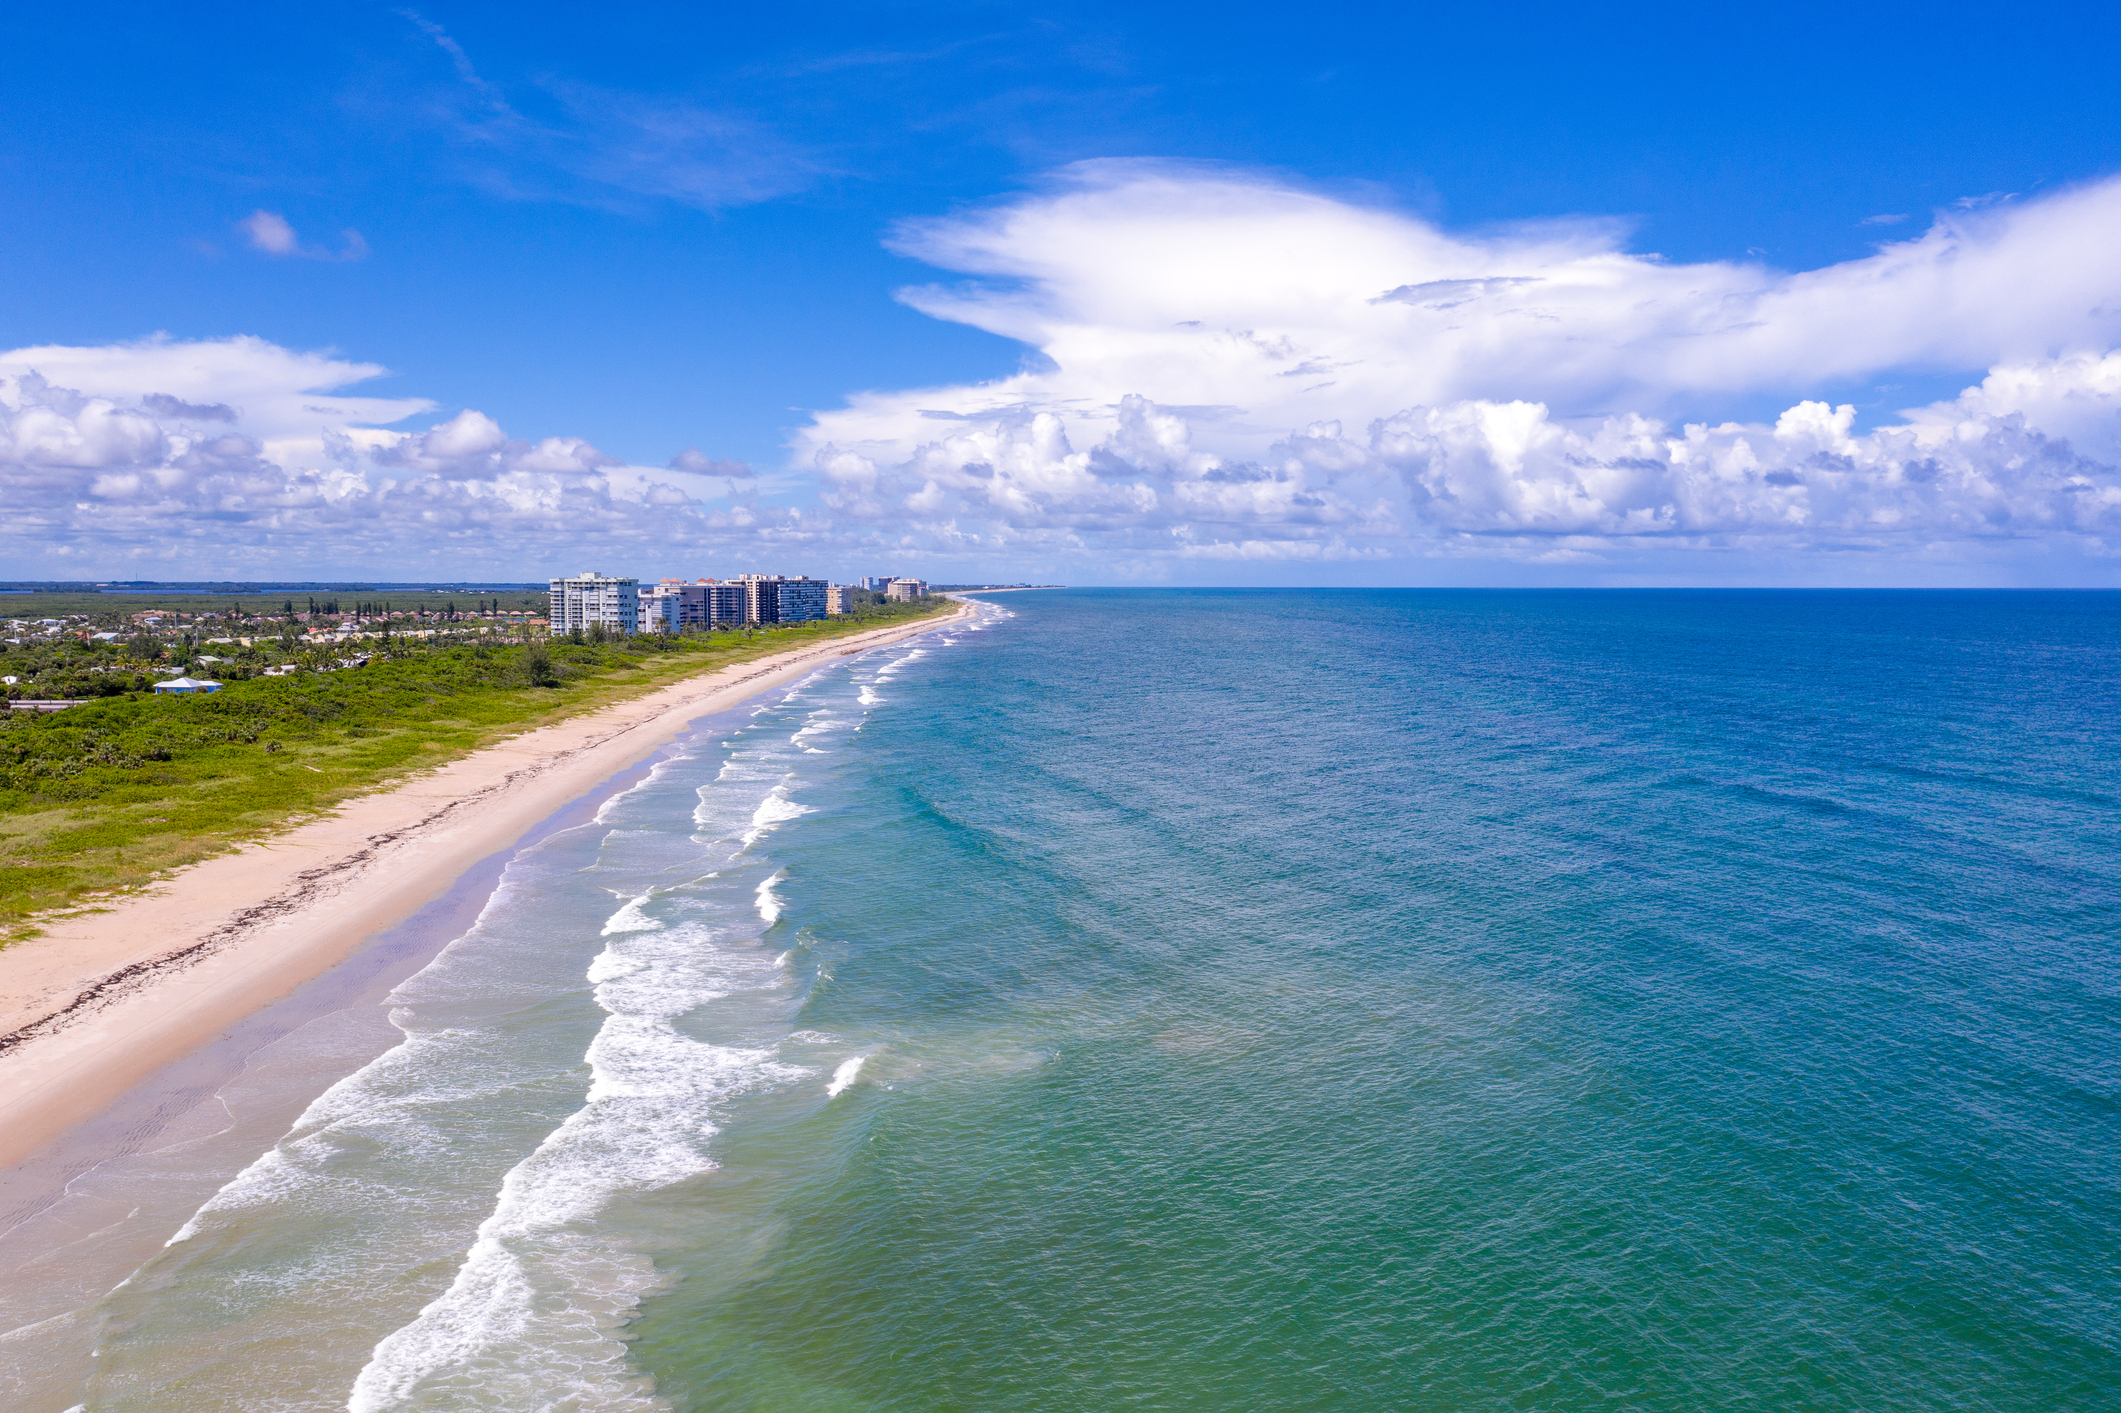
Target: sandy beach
[[104, 999]]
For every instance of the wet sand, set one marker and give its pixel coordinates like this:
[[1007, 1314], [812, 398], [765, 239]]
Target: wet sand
[[85, 1211]]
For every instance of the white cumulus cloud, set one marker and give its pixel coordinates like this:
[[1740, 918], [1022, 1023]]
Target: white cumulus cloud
[[239, 458], [1225, 377], [1227, 367]]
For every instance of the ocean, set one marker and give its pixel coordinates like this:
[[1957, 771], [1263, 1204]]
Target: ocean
[[1207, 1000]]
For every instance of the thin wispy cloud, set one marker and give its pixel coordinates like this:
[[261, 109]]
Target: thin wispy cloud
[[844, 60], [599, 147], [696, 462], [467, 73]]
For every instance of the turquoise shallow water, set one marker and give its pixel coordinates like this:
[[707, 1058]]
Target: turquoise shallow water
[[1206, 1000]]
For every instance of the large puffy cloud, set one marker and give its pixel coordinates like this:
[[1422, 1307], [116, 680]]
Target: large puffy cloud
[[1223, 372], [472, 446], [1230, 368], [239, 458], [1509, 468], [285, 400], [1202, 289]]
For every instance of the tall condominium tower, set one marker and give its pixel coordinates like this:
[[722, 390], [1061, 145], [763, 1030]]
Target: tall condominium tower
[[589, 599]]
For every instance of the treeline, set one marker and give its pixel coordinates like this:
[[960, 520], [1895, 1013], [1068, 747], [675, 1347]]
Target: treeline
[[109, 608], [74, 669]]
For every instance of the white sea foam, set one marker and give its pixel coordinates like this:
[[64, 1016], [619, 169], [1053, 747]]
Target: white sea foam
[[631, 919], [819, 722], [844, 1076], [533, 1316], [388, 1094], [772, 812], [386, 1171], [892, 668], [727, 804], [656, 772], [769, 901]]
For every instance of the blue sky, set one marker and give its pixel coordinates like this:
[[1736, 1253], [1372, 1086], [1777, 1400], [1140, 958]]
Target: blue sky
[[616, 236]]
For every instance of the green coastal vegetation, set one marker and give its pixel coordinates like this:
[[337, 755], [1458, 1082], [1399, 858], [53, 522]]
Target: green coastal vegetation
[[110, 608], [102, 796]]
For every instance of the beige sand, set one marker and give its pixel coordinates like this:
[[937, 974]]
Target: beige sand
[[105, 999]]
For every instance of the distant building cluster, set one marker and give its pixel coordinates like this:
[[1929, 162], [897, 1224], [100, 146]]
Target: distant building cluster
[[621, 605]]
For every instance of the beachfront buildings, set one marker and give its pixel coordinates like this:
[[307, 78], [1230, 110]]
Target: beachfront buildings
[[663, 607], [678, 606], [673, 606], [902, 590], [589, 600], [775, 598]]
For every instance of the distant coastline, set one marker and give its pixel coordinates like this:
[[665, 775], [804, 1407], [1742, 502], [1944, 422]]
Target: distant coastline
[[102, 1000]]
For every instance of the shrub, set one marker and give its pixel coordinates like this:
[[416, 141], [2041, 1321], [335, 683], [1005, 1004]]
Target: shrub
[[534, 664]]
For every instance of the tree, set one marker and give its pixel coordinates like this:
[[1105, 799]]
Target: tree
[[535, 666]]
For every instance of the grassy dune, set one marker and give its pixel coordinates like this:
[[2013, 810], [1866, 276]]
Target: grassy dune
[[102, 797]]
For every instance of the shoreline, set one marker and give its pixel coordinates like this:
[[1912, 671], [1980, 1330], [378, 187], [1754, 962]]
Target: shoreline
[[81, 1214], [100, 1002]]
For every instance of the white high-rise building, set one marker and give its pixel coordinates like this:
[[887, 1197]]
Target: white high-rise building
[[590, 599]]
